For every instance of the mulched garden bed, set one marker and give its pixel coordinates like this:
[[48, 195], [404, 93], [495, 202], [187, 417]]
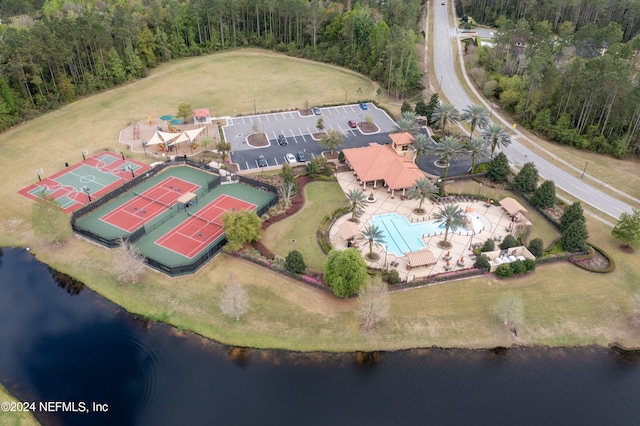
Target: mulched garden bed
[[368, 127], [258, 139]]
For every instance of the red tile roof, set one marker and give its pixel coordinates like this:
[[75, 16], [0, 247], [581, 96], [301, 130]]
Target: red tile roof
[[400, 139]]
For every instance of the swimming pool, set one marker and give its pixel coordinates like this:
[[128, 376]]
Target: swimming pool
[[401, 236]]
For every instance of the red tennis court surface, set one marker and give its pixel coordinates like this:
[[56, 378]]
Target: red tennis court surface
[[203, 228], [93, 177], [149, 204]]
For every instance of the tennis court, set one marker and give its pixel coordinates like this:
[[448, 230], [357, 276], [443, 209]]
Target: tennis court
[[148, 204], [202, 228], [80, 183]]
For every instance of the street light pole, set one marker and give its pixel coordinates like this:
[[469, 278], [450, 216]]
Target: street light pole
[[583, 170]]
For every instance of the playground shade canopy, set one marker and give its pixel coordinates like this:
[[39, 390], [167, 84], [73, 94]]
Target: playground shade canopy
[[191, 134]]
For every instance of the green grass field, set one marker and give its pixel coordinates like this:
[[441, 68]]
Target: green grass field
[[563, 304]]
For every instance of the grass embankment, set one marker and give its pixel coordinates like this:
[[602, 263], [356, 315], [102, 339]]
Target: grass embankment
[[14, 418], [298, 231], [564, 305]]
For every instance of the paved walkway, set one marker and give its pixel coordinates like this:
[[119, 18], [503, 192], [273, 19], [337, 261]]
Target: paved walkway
[[493, 218]]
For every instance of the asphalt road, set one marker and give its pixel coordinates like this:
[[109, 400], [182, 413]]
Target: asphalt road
[[444, 64], [298, 129]]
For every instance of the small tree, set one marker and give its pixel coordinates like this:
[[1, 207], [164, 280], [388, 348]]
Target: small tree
[[482, 262], [449, 149], [545, 195], [497, 136], [241, 227], [527, 179], [434, 101], [627, 229], [421, 108], [571, 214], [478, 149], [320, 124], [444, 114], [129, 266], [49, 222], [489, 245], [406, 107], [256, 128], [357, 199], [508, 242], [574, 237], [331, 140], [286, 191], [206, 141], [184, 111], [498, 169], [373, 304], [224, 148], [371, 235], [294, 262], [452, 216], [510, 310], [345, 272], [287, 173], [536, 247], [234, 301]]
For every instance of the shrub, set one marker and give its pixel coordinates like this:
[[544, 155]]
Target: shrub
[[393, 277], [294, 262], [508, 242], [341, 157], [489, 245], [530, 264], [482, 262], [504, 271], [518, 267], [536, 247], [574, 237]]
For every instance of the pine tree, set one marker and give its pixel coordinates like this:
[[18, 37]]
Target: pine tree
[[574, 237], [571, 214], [499, 169], [527, 179], [545, 195]]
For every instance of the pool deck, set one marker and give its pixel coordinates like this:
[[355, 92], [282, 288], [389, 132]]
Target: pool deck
[[494, 219]]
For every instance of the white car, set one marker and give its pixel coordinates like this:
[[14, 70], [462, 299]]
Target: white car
[[290, 158]]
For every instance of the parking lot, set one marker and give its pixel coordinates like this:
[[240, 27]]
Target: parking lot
[[297, 131]]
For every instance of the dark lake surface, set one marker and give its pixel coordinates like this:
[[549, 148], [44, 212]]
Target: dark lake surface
[[62, 342]]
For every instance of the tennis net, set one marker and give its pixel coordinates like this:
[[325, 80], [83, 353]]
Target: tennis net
[[146, 197], [204, 219]]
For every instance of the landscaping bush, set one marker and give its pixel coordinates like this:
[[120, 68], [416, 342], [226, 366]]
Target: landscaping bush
[[536, 247], [530, 264], [393, 277], [341, 157], [504, 271], [574, 237], [489, 245], [518, 267], [508, 242], [294, 262], [482, 262]]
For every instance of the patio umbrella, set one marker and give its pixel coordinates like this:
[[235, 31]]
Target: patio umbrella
[[176, 121], [167, 117]]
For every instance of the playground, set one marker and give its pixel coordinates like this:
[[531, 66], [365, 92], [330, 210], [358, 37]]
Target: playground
[[79, 184], [173, 217]]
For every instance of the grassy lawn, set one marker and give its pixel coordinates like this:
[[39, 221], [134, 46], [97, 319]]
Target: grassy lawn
[[14, 418], [563, 304], [321, 198]]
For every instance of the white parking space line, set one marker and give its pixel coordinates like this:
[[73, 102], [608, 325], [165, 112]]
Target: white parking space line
[[329, 111], [291, 115], [267, 117], [276, 160], [247, 163], [294, 136]]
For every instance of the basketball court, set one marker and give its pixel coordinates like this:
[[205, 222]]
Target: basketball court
[[80, 183]]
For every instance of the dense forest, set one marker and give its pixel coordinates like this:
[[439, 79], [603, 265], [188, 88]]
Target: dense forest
[[566, 69], [54, 51]]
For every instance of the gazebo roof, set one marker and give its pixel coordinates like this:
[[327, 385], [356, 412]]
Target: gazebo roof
[[512, 206], [400, 139], [201, 112], [420, 258]]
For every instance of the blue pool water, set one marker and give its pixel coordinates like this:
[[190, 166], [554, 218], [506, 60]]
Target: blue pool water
[[401, 236]]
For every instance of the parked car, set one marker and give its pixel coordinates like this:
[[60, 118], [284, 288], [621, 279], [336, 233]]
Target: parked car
[[301, 157], [290, 158], [363, 106], [262, 162], [282, 140], [352, 124], [316, 110]]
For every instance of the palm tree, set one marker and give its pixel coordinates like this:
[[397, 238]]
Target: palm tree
[[357, 199], [372, 235], [497, 135], [452, 216], [476, 116], [407, 122], [423, 188], [479, 150], [444, 114], [421, 145], [449, 148]]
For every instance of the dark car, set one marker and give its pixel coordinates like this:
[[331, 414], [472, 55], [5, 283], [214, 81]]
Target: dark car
[[282, 140], [363, 106], [316, 110], [301, 157], [262, 162], [352, 124]]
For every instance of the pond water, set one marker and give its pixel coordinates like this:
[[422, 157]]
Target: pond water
[[61, 342]]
